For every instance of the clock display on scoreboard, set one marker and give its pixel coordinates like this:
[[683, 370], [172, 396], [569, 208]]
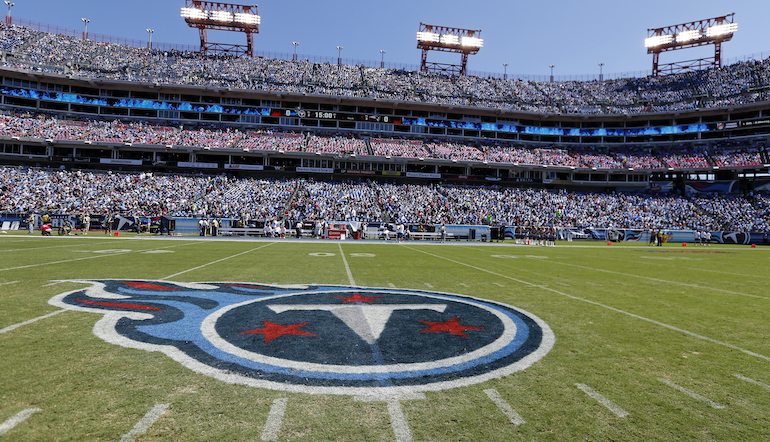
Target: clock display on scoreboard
[[329, 115]]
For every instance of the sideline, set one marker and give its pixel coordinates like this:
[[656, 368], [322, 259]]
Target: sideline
[[598, 304]]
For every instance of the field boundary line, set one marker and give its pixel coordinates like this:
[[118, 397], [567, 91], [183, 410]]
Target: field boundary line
[[105, 255], [347, 267], [619, 412], [599, 304], [145, 422], [692, 394], [30, 321], [16, 419], [214, 262], [751, 381], [505, 407], [274, 419]]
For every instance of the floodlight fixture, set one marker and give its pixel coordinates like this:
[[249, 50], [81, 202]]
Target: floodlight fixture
[[295, 43], [85, 29], [712, 31], [382, 58], [446, 39], [209, 15], [8, 16]]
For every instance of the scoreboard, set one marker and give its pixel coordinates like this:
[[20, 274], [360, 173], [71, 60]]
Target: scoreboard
[[331, 115]]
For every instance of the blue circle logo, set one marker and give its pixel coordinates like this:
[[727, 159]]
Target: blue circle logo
[[318, 339]]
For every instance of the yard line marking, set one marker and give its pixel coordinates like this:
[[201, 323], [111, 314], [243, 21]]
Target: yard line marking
[[498, 284], [662, 280], [54, 283], [145, 423], [398, 422], [391, 285], [464, 284], [213, 262], [428, 285], [15, 326], [563, 284], [8, 283], [274, 419], [752, 381], [692, 394], [619, 412], [593, 283], [55, 247], [85, 258], [599, 304], [347, 267], [16, 420], [504, 406]]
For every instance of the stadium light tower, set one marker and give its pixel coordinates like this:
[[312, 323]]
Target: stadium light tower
[[8, 17], [149, 32], [85, 29], [444, 39], [601, 72], [382, 58], [339, 55], [551, 66], [712, 31], [206, 15], [505, 71], [295, 43]]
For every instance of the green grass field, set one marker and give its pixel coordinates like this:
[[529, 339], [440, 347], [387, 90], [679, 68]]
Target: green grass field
[[675, 342]]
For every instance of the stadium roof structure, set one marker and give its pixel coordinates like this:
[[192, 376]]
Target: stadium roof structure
[[445, 39], [711, 31], [206, 15]]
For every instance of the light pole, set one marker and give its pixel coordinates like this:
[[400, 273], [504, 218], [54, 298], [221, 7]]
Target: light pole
[[382, 58], [601, 74], [339, 55], [505, 71], [85, 29], [149, 32], [551, 66], [8, 17], [295, 43]]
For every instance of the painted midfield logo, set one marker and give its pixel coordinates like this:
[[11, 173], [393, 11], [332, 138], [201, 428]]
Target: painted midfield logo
[[317, 339]]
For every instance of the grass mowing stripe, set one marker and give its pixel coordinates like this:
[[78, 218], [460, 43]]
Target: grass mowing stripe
[[16, 420], [619, 412], [104, 255], [692, 394], [599, 304], [15, 326], [504, 406], [213, 262], [145, 423], [274, 419], [347, 267], [751, 381], [658, 280]]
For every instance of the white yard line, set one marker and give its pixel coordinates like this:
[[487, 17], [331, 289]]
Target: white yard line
[[15, 326], [16, 420], [55, 247], [213, 262], [391, 285], [598, 304], [347, 267], [751, 381], [498, 284], [8, 283], [274, 419], [692, 394], [619, 412], [145, 423], [505, 407], [104, 255], [398, 422], [428, 285]]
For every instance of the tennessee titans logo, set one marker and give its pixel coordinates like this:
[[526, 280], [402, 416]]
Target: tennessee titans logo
[[317, 339]]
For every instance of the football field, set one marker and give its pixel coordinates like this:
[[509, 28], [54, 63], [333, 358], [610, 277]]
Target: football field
[[107, 339]]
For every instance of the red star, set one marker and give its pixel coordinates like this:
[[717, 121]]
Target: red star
[[272, 330], [452, 326], [357, 297]]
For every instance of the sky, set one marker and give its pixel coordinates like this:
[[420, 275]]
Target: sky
[[573, 35]]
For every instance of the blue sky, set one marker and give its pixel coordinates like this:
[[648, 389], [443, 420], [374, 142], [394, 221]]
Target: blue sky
[[574, 35]]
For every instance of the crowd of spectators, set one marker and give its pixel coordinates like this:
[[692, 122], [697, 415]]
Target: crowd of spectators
[[739, 83], [146, 194]]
